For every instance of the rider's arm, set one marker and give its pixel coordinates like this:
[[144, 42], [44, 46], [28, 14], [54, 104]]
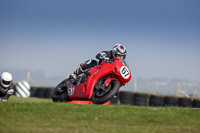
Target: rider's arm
[[98, 56], [2, 91], [101, 55], [104, 54]]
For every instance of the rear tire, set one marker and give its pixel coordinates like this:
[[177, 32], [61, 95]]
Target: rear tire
[[115, 85], [171, 101], [196, 103], [63, 97], [185, 102], [157, 101], [140, 99], [126, 98]]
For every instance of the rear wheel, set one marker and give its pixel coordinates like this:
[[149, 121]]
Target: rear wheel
[[59, 94], [105, 94]]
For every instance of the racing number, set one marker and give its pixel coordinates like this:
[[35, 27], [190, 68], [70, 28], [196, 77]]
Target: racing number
[[71, 90], [125, 72]]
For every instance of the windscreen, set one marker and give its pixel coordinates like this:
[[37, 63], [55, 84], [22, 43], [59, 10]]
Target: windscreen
[[125, 62]]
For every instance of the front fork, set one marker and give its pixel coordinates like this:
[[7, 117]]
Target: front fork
[[105, 87]]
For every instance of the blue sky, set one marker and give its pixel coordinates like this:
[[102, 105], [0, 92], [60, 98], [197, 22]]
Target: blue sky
[[162, 37]]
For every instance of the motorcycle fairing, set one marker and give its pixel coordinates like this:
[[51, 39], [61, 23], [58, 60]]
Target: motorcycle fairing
[[84, 91], [79, 91]]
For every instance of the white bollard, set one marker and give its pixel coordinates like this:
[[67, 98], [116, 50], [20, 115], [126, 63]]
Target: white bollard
[[23, 89]]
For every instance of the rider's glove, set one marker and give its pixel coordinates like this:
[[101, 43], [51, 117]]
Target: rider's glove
[[10, 92], [106, 59]]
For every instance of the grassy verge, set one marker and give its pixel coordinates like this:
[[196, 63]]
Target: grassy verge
[[42, 115]]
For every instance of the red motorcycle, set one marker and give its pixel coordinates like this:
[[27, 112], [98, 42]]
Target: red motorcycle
[[98, 85]]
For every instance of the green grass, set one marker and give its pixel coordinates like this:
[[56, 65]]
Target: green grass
[[42, 115]]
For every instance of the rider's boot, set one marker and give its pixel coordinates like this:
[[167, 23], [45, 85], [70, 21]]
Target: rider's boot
[[74, 75]]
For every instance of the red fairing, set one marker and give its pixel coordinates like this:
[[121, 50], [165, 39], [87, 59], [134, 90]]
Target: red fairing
[[118, 68], [108, 78]]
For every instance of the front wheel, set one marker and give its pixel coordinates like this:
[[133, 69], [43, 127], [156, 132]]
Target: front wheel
[[59, 94], [103, 96]]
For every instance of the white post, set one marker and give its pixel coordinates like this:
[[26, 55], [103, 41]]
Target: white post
[[197, 90], [28, 76], [135, 85], [177, 89]]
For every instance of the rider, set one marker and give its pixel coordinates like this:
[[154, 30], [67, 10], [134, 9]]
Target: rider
[[118, 51], [6, 88]]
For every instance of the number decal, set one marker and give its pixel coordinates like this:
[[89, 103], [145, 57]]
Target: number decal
[[71, 90], [125, 72]]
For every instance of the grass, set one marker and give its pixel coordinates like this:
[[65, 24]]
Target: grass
[[42, 115]]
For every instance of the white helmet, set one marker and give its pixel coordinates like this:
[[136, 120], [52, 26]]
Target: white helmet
[[6, 79]]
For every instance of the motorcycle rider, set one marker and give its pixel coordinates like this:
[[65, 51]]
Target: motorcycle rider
[[118, 51], [6, 88]]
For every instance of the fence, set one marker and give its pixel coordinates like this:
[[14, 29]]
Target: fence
[[157, 87], [133, 98]]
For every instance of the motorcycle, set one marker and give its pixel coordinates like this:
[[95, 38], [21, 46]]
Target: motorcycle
[[98, 85]]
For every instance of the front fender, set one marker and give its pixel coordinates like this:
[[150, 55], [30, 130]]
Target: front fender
[[107, 82]]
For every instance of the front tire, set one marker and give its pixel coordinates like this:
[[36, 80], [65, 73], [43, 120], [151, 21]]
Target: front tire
[[115, 85], [59, 94]]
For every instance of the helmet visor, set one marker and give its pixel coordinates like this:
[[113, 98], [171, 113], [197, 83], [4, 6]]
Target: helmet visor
[[6, 82], [121, 56]]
